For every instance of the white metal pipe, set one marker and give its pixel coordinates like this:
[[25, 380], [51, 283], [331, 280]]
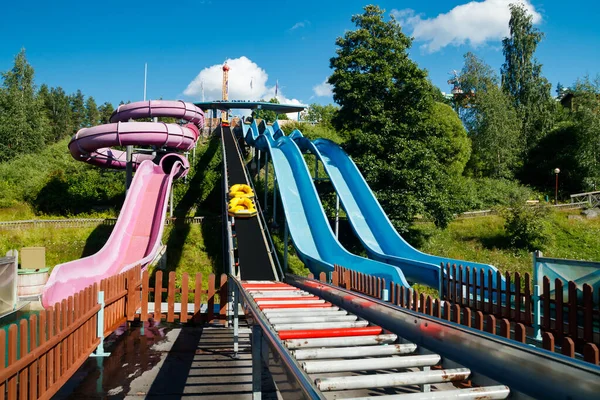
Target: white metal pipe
[[299, 293], [486, 392], [299, 302], [391, 380], [321, 325], [299, 309], [341, 341], [354, 352], [370, 364], [278, 313], [303, 319]]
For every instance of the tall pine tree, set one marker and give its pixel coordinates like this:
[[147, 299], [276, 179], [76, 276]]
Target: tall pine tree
[[78, 110], [522, 77], [385, 103], [92, 115], [23, 123]]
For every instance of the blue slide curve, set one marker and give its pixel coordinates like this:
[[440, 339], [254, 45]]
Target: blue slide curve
[[369, 221], [311, 233]]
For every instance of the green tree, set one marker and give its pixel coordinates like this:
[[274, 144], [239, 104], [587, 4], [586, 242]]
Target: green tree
[[23, 123], [268, 115], [78, 110], [106, 111], [445, 133], [58, 109], [491, 120], [92, 115], [320, 114], [522, 77], [386, 102], [494, 128]]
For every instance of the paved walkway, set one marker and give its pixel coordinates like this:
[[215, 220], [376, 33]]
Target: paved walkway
[[170, 362]]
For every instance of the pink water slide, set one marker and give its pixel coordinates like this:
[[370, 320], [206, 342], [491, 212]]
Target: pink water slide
[[136, 236]]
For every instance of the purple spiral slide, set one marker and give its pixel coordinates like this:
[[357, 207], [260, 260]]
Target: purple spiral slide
[[136, 236]]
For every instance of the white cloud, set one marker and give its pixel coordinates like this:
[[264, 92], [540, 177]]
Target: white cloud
[[475, 23], [301, 24], [322, 89], [242, 72]]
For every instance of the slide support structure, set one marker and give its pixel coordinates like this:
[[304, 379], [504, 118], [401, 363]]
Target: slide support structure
[[275, 201], [256, 362], [337, 215], [285, 246], [266, 180], [128, 168], [100, 328]]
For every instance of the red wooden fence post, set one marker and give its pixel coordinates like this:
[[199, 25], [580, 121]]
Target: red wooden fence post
[[183, 315], [568, 347], [491, 324], [520, 333], [548, 341], [590, 353]]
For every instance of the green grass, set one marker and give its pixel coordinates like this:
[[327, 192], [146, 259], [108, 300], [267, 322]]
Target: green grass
[[62, 244], [485, 240]]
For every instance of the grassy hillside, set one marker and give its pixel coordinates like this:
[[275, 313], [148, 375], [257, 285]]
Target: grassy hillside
[[485, 240]]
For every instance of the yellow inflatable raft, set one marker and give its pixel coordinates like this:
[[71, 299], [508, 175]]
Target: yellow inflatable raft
[[241, 190], [241, 207]]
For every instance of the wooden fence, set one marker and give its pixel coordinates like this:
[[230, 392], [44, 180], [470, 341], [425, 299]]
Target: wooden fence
[[45, 350], [570, 316], [81, 222], [413, 300], [196, 296]]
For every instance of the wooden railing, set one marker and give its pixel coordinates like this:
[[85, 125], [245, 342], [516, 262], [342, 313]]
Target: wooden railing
[[196, 296], [82, 222], [45, 350], [569, 316], [479, 319]]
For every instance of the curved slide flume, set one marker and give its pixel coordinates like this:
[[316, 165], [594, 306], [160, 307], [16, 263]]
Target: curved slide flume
[[309, 228], [136, 236], [369, 221]]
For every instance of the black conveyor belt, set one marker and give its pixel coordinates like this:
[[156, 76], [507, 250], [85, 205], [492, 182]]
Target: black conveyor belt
[[253, 253]]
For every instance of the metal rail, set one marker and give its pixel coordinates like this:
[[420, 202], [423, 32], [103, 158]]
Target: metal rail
[[260, 214], [353, 357], [534, 372], [281, 361]]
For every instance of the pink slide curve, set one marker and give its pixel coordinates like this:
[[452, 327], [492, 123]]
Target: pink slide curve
[[136, 236]]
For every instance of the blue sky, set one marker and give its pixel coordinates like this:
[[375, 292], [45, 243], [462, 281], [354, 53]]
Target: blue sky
[[101, 48]]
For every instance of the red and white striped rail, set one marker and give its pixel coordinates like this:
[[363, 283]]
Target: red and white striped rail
[[346, 355]]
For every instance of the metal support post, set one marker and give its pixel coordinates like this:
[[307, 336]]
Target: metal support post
[[537, 313], [275, 200], [337, 215], [258, 166], [426, 388], [231, 250], [128, 168], [266, 180], [100, 328], [256, 362], [236, 329], [285, 247]]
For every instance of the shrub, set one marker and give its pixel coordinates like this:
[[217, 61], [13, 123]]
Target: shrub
[[526, 226]]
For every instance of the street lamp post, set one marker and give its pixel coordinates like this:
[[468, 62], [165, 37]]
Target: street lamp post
[[556, 172]]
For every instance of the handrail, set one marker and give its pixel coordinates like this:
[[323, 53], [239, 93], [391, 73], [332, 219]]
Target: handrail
[[261, 214], [584, 194], [288, 362], [226, 220], [523, 368]]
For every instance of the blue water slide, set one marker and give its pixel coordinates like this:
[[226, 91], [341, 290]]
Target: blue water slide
[[369, 221], [309, 228]]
